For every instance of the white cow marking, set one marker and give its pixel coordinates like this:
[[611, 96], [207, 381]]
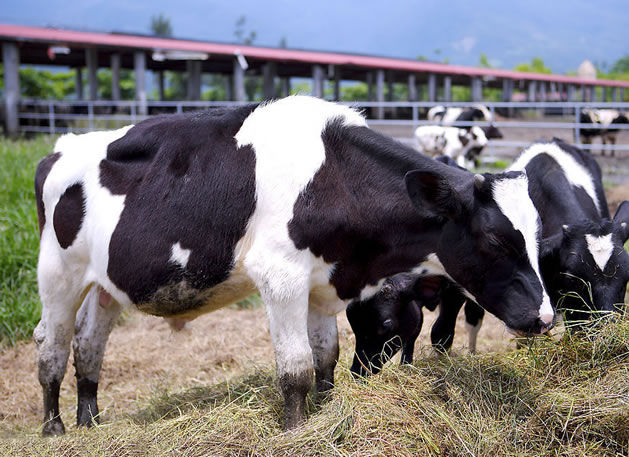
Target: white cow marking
[[512, 197], [575, 173], [601, 248], [179, 255]]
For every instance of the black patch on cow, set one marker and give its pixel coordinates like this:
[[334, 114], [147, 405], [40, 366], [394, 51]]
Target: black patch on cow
[[68, 216], [464, 139], [43, 168], [376, 232], [186, 181]]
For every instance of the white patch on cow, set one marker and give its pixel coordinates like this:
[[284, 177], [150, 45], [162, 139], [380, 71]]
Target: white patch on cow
[[601, 248], [370, 290], [286, 138], [179, 255], [512, 197], [575, 173]]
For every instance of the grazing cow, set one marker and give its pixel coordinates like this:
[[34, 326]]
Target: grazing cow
[[297, 199], [453, 142], [583, 262], [392, 319], [602, 120], [450, 115]]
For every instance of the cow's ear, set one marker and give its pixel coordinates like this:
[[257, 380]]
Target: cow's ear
[[549, 249], [432, 192], [621, 220]]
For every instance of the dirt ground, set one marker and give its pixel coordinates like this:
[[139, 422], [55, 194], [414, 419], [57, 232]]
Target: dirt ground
[[145, 356]]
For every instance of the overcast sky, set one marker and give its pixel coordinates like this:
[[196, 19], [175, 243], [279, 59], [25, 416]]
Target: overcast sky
[[562, 32]]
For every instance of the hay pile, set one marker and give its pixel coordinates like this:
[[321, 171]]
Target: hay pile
[[568, 397]]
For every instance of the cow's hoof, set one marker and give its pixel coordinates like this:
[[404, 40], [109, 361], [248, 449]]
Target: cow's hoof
[[54, 427]]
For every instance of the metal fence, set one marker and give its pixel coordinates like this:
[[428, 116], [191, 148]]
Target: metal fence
[[53, 117]]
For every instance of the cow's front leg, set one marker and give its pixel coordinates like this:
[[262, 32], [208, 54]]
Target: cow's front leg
[[324, 342], [288, 322], [94, 323], [442, 332], [473, 321]]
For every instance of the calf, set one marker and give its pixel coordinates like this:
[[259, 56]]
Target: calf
[[583, 262], [453, 142], [392, 319], [603, 120], [294, 198]]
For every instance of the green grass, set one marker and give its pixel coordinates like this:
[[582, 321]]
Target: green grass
[[555, 398], [19, 300]]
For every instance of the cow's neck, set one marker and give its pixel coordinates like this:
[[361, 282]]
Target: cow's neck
[[367, 226]]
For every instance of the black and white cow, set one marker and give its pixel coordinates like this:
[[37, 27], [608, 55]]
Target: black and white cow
[[453, 142], [603, 120], [450, 115], [583, 261], [295, 198]]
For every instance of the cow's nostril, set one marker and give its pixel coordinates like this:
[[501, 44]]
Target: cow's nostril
[[546, 319]]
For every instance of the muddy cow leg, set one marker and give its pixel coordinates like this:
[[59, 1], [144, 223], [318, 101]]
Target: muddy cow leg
[[473, 321], [442, 333], [94, 322], [324, 343], [60, 298]]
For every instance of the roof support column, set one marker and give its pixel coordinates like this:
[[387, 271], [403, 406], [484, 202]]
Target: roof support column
[[317, 81], [228, 84], [447, 88], [542, 91], [337, 83], [239, 81], [532, 91], [604, 93], [370, 86], [78, 83], [139, 63], [11, 61], [285, 83], [622, 94], [571, 93], [507, 90], [412, 88], [380, 92], [115, 77], [193, 68], [91, 58], [268, 75], [432, 87], [559, 89], [614, 91], [477, 89]]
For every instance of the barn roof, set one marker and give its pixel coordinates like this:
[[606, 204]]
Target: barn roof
[[120, 42]]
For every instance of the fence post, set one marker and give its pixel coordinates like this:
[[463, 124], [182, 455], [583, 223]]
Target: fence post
[[577, 129], [51, 118], [134, 119], [415, 117]]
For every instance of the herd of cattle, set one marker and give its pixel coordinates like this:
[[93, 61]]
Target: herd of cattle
[[299, 200]]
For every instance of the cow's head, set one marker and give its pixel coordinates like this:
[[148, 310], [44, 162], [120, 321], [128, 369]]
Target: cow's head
[[390, 319], [586, 267], [489, 242]]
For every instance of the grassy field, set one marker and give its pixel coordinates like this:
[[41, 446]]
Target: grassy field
[[19, 302]]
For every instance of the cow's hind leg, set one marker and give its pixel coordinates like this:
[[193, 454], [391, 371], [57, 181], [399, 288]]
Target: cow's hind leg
[[473, 321], [53, 335], [324, 342], [94, 323]]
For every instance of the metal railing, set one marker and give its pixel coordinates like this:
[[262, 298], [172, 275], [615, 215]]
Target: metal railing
[[53, 117]]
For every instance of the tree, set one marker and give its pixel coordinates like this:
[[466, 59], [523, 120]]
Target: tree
[[484, 61], [160, 26], [240, 33], [536, 66], [621, 65]]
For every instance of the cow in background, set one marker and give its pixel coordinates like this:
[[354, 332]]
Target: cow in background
[[603, 121], [453, 142]]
